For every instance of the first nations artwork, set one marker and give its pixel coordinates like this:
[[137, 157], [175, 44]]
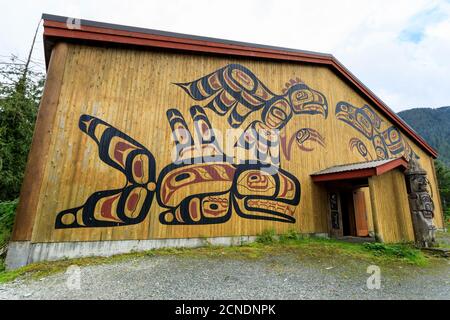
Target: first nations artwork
[[387, 143], [421, 204], [255, 187]]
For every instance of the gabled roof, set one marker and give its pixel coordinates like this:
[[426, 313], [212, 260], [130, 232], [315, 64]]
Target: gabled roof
[[58, 28], [359, 170]]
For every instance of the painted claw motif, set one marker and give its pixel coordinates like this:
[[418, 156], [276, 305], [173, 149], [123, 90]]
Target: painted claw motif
[[201, 186], [255, 191], [199, 165]]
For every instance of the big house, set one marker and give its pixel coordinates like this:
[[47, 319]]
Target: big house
[[148, 139]]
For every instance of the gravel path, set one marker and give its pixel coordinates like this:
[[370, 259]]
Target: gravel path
[[280, 277]]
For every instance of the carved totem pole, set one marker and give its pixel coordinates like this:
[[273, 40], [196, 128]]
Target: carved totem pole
[[421, 204]]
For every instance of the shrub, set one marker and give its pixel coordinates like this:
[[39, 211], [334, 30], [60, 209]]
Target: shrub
[[266, 237], [289, 236], [7, 214]]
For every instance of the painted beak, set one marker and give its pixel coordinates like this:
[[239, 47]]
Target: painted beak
[[311, 102], [318, 105]]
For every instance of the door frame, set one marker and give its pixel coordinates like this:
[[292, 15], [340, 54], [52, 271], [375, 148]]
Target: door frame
[[358, 211]]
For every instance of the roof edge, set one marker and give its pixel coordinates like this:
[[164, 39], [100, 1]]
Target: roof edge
[[105, 25], [359, 173], [57, 28]]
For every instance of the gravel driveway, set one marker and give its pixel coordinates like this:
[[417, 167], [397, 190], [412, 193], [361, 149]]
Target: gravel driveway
[[278, 277]]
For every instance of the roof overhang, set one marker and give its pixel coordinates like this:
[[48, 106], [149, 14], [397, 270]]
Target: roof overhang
[[58, 28], [359, 170]]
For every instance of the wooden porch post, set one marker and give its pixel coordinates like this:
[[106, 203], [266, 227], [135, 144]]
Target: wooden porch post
[[373, 203]]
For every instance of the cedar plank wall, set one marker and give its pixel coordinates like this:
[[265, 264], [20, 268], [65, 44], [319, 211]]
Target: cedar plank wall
[[131, 90], [389, 201]]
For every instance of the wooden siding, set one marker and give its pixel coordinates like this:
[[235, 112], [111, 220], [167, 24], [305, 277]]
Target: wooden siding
[[131, 90], [44, 129], [390, 207], [369, 209]]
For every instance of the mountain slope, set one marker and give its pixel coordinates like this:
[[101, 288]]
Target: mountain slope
[[434, 126]]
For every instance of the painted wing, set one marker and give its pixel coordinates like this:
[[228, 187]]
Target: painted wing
[[232, 89]]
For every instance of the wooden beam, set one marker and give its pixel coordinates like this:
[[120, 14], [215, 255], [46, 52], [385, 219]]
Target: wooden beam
[[373, 203], [399, 163], [346, 175], [30, 190]]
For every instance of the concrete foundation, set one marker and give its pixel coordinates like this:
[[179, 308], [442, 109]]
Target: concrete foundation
[[21, 253]]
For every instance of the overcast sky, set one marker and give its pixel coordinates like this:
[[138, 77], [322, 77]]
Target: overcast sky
[[399, 49]]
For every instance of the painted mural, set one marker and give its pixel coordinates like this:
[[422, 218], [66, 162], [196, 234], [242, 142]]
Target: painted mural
[[235, 92], [387, 143], [253, 188], [125, 206]]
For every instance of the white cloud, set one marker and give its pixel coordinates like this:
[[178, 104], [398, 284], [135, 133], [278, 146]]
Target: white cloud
[[366, 36]]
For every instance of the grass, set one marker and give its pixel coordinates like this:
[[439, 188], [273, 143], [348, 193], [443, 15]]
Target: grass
[[268, 244], [322, 247], [443, 237]]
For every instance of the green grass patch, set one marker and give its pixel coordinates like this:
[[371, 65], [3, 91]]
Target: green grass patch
[[371, 252], [300, 246], [405, 252], [443, 238], [308, 246]]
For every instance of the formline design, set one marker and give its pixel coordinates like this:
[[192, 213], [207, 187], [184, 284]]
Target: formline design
[[388, 142], [255, 188]]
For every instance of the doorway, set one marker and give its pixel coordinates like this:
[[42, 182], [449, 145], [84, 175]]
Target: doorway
[[351, 211], [348, 214]]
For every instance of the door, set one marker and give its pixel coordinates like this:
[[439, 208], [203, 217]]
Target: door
[[335, 216], [359, 204]]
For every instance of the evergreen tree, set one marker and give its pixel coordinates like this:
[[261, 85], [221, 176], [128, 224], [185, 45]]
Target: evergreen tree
[[443, 176], [20, 92]]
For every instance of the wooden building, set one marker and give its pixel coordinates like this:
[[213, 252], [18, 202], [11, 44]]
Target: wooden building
[[147, 139]]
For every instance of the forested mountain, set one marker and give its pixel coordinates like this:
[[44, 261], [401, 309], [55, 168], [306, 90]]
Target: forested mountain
[[434, 126]]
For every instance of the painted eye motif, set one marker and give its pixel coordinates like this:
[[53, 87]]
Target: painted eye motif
[[254, 182], [301, 95], [215, 206]]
